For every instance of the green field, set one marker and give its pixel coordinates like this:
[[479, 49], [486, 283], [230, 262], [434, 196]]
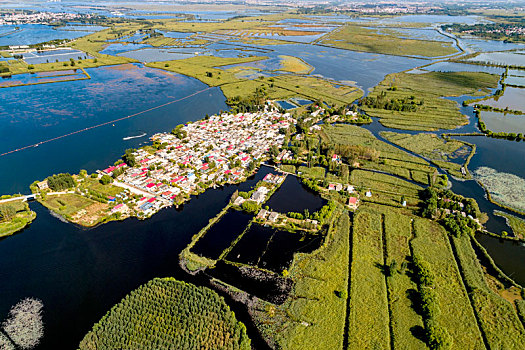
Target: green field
[[497, 317], [319, 294], [429, 88], [385, 189], [313, 172], [390, 160], [19, 217], [456, 314], [168, 314], [106, 190], [404, 317], [358, 38], [368, 317], [294, 65], [440, 151], [66, 204]]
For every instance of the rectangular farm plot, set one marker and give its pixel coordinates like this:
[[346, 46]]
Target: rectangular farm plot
[[368, 315]]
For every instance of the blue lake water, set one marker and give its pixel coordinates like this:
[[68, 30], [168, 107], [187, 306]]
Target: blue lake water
[[502, 58], [54, 56], [222, 234], [80, 273], [293, 196], [500, 122], [365, 69], [114, 49], [38, 33], [31, 114]]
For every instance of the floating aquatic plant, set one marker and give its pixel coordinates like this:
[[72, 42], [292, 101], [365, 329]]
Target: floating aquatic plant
[[507, 189], [24, 325]]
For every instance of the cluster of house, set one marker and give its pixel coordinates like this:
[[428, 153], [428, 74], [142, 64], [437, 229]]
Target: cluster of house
[[353, 201], [202, 154], [260, 195], [38, 17]]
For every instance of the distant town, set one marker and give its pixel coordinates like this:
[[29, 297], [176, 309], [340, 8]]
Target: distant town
[[27, 17]]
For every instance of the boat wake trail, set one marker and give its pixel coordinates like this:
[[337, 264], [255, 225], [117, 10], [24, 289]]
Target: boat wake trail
[[133, 137]]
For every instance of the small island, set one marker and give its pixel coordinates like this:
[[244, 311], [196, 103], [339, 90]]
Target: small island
[[187, 317], [15, 215]]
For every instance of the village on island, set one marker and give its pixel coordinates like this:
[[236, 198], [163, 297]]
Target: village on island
[[217, 150]]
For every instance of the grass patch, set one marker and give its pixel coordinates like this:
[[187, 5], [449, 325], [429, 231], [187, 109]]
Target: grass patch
[[505, 189], [313, 172], [391, 159], [23, 217], [497, 317], [205, 68], [294, 65], [456, 314], [368, 323], [314, 88], [385, 189], [78, 209], [440, 151], [66, 204], [436, 111], [107, 190], [358, 38], [404, 318]]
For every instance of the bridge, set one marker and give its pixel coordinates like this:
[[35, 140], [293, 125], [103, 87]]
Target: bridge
[[24, 198]]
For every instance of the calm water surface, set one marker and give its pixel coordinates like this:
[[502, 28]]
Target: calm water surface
[[293, 196], [31, 114], [80, 273]]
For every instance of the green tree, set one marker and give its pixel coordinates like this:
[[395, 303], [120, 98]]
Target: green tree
[[106, 180], [7, 212], [129, 158]]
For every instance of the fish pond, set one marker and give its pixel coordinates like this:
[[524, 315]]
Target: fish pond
[[501, 122], [513, 98], [293, 196], [222, 234], [54, 56], [500, 58]]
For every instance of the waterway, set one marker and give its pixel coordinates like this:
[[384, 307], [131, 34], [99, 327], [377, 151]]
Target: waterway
[[79, 274]]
